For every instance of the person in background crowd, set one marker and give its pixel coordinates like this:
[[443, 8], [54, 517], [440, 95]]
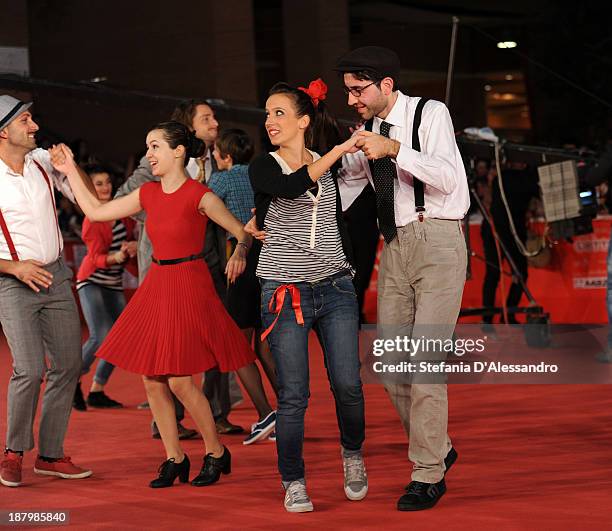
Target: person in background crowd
[[69, 217], [360, 219], [520, 187], [110, 249], [233, 151], [482, 184], [38, 313]]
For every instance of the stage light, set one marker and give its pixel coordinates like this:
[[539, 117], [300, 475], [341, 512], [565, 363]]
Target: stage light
[[487, 88], [506, 96], [507, 44], [569, 207], [509, 77]]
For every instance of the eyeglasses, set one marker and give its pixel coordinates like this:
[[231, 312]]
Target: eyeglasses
[[357, 91]]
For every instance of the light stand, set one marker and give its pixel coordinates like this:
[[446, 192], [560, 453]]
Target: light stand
[[536, 336]]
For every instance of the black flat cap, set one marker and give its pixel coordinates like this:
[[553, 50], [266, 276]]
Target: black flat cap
[[378, 61]]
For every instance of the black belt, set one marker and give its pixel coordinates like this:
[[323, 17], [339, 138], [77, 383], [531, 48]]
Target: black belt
[[173, 261]]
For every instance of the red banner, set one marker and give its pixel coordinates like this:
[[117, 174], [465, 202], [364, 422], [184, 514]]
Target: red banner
[[572, 288]]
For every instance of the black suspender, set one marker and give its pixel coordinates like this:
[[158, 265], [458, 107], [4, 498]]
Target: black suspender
[[419, 187]]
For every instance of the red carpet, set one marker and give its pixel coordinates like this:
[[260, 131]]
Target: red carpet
[[535, 457]]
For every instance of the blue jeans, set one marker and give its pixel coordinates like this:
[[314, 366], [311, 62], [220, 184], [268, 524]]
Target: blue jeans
[[101, 308], [330, 308]]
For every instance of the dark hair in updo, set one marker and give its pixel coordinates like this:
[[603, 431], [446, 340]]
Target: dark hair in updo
[[323, 133], [177, 134]]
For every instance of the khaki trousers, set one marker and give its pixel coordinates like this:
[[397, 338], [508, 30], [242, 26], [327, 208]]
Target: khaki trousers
[[420, 284]]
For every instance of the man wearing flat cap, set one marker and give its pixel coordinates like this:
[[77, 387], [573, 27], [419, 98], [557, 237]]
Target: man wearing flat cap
[[421, 197], [38, 312]]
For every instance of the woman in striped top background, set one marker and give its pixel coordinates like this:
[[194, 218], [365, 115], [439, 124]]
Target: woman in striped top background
[[110, 249], [306, 277]]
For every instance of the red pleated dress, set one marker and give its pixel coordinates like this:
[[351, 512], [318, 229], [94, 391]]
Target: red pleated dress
[[175, 324]]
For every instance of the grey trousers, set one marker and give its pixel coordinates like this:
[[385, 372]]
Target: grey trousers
[[35, 325], [420, 285]]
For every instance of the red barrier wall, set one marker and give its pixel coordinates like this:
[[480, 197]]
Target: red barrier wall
[[572, 288]]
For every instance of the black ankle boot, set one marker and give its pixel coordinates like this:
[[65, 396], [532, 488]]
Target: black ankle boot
[[169, 471], [212, 469]]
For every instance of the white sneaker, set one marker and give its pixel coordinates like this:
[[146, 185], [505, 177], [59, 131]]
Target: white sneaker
[[297, 499], [355, 477]]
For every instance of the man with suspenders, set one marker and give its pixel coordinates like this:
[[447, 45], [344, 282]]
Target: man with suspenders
[[409, 154], [38, 312]]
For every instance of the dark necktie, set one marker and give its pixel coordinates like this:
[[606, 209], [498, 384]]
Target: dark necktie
[[383, 176]]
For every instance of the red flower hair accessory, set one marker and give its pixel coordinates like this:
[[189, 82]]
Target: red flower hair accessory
[[317, 90]]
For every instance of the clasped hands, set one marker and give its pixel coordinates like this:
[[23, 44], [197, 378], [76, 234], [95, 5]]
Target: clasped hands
[[128, 250], [374, 146], [62, 158]]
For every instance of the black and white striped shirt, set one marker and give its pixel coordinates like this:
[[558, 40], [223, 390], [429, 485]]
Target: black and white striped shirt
[[303, 242], [109, 277]]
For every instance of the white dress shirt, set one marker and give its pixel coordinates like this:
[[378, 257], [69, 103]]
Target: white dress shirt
[[438, 165], [193, 169], [28, 209]]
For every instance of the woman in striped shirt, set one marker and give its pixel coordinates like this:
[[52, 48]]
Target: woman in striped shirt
[[100, 288], [306, 280]]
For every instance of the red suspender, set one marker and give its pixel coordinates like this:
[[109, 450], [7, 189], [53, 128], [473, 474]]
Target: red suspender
[[7, 237], [5, 231]]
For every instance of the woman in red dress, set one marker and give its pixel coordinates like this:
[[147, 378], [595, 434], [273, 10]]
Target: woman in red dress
[[175, 326]]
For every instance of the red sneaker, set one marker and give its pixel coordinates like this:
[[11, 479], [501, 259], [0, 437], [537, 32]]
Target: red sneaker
[[10, 469], [62, 468]]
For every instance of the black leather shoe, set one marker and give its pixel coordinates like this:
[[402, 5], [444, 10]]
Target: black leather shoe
[[450, 459], [99, 399], [421, 496], [169, 471], [78, 402], [212, 469]]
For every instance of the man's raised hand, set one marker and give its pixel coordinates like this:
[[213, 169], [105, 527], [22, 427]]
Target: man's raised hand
[[376, 146]]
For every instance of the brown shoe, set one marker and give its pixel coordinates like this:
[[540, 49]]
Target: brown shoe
[[187, 433], [10, 469], [225, 427]]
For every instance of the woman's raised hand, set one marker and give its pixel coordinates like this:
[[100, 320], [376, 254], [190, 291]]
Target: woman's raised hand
[[348, 146], [62, 158]]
